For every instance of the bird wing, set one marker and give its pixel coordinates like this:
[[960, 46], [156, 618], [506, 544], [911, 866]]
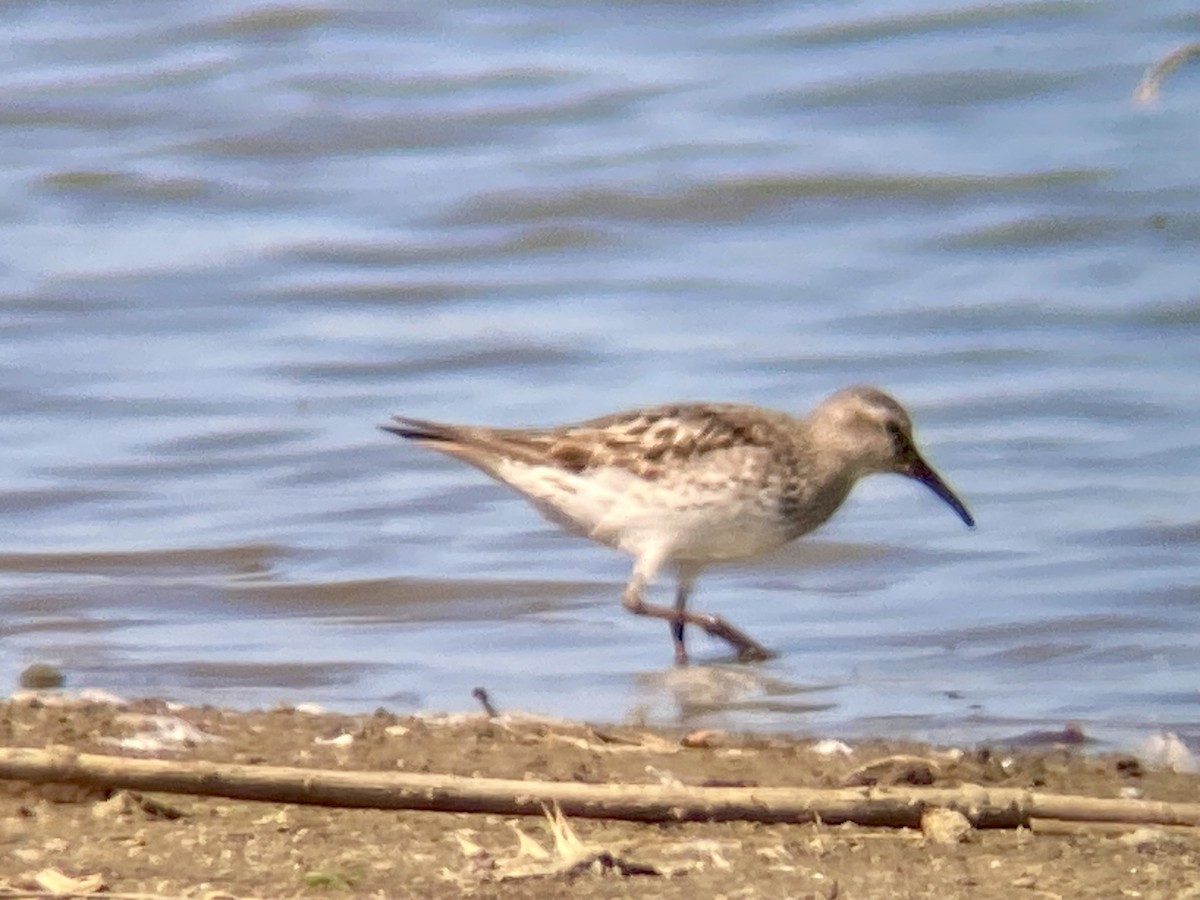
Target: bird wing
[[645, 442]]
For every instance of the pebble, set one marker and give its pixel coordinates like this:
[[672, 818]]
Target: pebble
[[42, 676], [945, 826]]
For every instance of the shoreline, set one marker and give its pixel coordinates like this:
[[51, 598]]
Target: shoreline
[[196, 845]]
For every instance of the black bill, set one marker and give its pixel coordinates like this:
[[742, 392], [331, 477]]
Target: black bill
[[919, 470]]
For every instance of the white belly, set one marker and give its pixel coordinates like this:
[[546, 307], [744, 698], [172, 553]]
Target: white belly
[[706, 521]]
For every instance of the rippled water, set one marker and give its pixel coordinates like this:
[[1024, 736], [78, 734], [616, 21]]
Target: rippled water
[[235, 237]]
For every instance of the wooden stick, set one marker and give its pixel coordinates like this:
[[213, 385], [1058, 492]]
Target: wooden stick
[[872, 806], [1057, 826]]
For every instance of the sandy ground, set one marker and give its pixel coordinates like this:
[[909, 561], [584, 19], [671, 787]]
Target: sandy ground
[[193, 846]]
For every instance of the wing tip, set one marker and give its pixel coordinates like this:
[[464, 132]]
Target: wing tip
[[418, 429]]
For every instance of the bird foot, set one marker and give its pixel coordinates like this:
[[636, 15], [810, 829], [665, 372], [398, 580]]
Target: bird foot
[[748, 649], [755, 652]]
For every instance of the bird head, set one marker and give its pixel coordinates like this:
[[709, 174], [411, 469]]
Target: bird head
[[879, 434]]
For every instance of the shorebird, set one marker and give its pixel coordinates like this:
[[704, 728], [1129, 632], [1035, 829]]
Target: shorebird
[[689, 484]]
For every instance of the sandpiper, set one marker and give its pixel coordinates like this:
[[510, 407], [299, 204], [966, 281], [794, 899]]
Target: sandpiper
[[690, 484]]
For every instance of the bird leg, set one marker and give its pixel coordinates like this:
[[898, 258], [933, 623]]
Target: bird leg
[[683, 588], [748, 649]]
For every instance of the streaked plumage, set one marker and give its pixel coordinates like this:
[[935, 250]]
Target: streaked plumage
[[694, 483]]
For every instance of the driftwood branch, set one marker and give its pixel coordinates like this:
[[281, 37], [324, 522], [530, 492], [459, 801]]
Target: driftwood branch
[[870, 806]]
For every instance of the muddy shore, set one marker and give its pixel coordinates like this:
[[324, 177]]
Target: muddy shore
[[125, 843]]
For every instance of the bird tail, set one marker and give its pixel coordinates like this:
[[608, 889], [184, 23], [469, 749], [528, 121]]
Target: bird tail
[[474, 444], [480, 447]]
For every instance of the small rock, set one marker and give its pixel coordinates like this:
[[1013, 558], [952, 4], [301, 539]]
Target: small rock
[[832, 747], [42, 676], [118, 805], [1129, 767], [945, 826]]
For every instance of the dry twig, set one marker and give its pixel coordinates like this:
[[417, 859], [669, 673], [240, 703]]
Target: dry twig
[[871, 806]]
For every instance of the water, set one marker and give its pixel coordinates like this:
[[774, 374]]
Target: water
[[235, 237]]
